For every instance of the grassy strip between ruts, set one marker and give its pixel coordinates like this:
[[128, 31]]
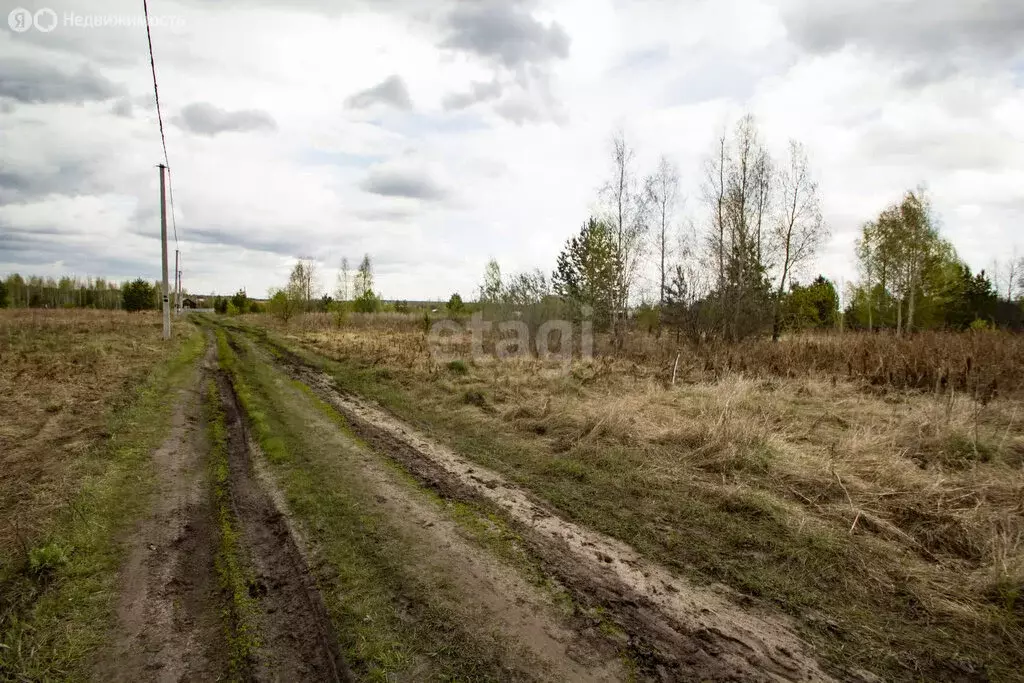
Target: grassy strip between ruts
[[390, 618], [240, 612], [60, 604], [491, 531], [855, 601]]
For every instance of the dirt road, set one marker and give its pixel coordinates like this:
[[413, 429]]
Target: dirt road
[[304, 534], [174, 596], [168, 610]]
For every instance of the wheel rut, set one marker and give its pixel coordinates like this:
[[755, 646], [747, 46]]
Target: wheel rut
[[297, 640]]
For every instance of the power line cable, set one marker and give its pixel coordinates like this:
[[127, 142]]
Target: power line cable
[[170, 192], [160, 119]]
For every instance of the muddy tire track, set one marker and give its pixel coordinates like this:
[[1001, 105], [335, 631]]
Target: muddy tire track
[[522, 626], [297, 640], [169, 626], [677, 631]]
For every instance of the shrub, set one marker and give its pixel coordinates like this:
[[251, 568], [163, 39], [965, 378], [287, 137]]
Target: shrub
[[239, 300], [138, 295], [367, 302], [3, 294], [455, 305], [476, 398], [340, 311], [458, 367], [45, 559], [400, 306], [647, 318], [281, 305]]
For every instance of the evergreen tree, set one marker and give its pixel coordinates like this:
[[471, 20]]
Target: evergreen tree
[[138, 295], [588, 272]]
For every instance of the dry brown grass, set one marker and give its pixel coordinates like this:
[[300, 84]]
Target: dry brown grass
[[61, 374], [872, 486], [981, 363]]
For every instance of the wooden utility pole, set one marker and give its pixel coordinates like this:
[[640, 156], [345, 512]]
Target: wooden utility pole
[[163, 252]]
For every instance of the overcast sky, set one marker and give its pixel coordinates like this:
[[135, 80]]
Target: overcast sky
[[436, 134]]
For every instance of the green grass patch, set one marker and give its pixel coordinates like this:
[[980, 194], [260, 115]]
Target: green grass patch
[[58, 604], [240, 613], [456, 367]]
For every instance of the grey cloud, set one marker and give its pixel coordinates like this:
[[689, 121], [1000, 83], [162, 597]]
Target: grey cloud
[[282, 240], [531, 100], [519, 111], [525, 96], [937, 149], [32, 82], [391, 91], [240, 237], [78, 252], [70, 178], [939, 34], [203, 118], [505, 32], [122, 108], [479, 91], [13, 240], [399, 182], [382, 214]]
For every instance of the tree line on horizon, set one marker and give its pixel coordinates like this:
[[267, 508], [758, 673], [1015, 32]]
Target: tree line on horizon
[[37, 291]]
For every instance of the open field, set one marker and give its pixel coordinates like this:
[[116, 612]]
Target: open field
[[265, 502], [85, 396], [887, 520]]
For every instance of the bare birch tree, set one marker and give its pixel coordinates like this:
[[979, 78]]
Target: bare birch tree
[[1018, 286], [715, 189], [628, 209], [799, 230], [866, 263], [1008, 278], [919, 240], [662, 195], [739, 191], [302, 285], [341, 289], [492, 286], [363, 280]]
